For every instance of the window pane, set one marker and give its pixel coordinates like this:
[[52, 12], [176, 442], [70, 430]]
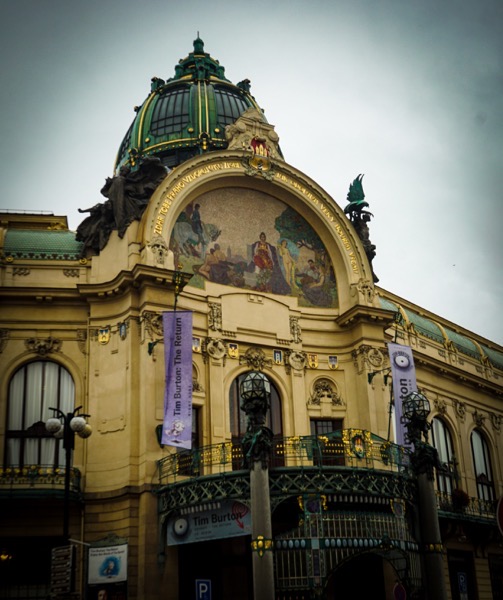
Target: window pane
[[33, 390], [441, 439], [482, 466]]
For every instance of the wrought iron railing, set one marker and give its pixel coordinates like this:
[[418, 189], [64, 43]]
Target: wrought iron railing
[[473, 507], [16, 479], [354, 448]]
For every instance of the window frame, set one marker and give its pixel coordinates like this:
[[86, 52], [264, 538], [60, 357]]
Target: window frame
[[444, 448], [38, 385], [483, 478]]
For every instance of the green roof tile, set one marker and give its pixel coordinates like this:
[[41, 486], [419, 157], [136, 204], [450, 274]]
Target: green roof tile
[[495, 357], [425, 327], [42, 245], [462, 343]]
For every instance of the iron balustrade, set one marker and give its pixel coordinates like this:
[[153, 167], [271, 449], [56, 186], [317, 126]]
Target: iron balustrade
[[353, 448], [38, 478], [474, 508]]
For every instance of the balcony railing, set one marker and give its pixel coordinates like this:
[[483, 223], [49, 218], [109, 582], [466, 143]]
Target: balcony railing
[[354, 448], [30, 479], [474, 507]]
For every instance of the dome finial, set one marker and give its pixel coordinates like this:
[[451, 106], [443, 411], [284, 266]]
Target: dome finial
[[198, 45]]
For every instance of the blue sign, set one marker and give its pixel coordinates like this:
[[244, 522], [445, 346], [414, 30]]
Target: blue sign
[[203, 589]]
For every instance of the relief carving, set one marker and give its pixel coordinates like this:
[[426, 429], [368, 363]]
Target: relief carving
[[325, 391], [43, 347], [255, 359]]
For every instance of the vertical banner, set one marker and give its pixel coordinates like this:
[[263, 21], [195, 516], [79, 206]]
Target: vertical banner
[[404, 382], [177, 427]]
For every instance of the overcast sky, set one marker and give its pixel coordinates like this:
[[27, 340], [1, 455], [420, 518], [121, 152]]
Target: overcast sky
[[408, 92]]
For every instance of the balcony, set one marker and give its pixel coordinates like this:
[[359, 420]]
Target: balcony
[[351, 465], [31, 481], [473, 509]]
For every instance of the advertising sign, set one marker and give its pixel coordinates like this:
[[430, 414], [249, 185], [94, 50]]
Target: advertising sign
[[404, 382], [107, 564], [177, 426], [230, 519]]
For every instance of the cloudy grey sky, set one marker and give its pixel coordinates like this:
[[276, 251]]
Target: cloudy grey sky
[[408, 92]]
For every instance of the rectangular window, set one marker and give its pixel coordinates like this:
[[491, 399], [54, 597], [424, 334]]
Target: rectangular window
[[328, 447]]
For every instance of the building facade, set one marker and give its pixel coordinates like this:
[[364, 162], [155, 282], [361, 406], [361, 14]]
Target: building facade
[[204, 215]]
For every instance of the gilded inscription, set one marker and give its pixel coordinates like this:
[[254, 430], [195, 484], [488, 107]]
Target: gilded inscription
[[178, 186], [328, 214]]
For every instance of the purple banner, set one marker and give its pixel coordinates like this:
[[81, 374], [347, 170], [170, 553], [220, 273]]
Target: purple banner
[[404, 382], [177, 427]]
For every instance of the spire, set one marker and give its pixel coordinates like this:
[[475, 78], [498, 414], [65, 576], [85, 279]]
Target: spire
[[198, 45]]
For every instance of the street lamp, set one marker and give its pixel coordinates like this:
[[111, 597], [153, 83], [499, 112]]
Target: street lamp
[[415, 411], [424, 458], [65, 426], [255, 392]]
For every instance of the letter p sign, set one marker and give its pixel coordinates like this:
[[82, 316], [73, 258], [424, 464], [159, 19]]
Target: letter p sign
[[203, 589]]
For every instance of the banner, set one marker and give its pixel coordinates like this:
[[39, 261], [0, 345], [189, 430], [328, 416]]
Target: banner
[[229, 519], [177, 427], [107, 564], [404, 382]]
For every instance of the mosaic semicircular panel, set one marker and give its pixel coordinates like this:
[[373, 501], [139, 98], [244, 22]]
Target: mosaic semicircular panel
[[250, 240]]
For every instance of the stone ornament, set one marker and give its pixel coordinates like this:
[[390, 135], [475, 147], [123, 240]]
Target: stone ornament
[[160, 250], [325, 391], [295, 330], [255, 359], [297, 360], [215, 348], [43, 347]]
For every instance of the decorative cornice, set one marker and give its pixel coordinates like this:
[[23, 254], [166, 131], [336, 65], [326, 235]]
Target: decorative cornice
[[358, 314]]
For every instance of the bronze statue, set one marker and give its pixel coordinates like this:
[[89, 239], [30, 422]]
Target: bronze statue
[[128, 194], [360, 218]]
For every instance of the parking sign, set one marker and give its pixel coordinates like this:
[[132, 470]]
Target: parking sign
[[203, 589]]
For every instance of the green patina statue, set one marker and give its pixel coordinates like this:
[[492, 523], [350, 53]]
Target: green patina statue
[[360, 217]]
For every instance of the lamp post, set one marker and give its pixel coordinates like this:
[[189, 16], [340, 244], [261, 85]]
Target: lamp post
[[65, 426], [416, 409], [255, 391]]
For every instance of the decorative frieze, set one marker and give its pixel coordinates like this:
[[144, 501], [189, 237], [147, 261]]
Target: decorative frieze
[[71, 272], [43, 347]]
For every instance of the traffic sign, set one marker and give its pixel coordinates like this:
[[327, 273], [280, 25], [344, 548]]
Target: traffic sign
[[203, 589]]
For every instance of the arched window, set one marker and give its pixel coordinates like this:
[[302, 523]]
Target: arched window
[[482, 466], [33, 390], [239, 420], [238, 416], [442, 441]]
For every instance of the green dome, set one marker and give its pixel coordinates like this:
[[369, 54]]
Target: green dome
[[187, 114]]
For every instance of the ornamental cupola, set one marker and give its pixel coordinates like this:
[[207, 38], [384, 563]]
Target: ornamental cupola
[[187, 114]]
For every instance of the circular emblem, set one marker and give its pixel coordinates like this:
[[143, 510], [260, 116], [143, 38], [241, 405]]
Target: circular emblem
[[180, 527], [402, 361]]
